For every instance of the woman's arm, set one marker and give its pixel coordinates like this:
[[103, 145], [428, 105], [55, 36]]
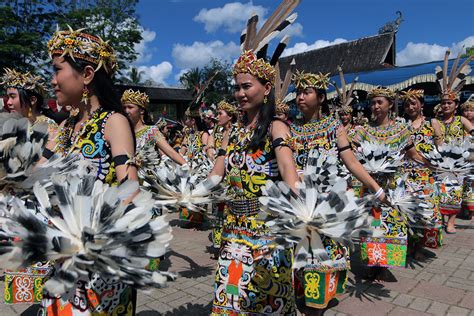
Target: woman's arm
[[167, 149], [468, 127], [120, 138], [219, 162], [52, 141], [211, 150], [284, 155], [438, 134], [353, 165]]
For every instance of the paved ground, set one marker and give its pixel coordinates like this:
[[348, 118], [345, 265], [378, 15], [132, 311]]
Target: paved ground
[[443, 284]]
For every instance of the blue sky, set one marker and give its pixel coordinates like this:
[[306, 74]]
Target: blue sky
[[181, 34]]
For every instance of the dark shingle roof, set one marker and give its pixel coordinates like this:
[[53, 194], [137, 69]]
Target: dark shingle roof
[[365, 54], [161, 94]]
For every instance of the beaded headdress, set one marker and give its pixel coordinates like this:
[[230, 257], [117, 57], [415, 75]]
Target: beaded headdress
[[305, 80], [451, 83], [192, 112], [229, 108], [135, 97], [254, 44], [345, 95], [76, 44], [412, 93], [281, 88], [381, 92], [26, 81]]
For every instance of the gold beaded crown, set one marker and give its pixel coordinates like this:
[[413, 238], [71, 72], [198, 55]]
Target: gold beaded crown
[[451, 83], [257, 67], [412, 93], [26, 81], [305, 80], [76, 44], [345, 95], [229, 108], [254, 44], [135, 97], [381, 92]]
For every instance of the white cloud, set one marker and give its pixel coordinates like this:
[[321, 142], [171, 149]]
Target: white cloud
[[232, 16], [304, 47], [416, 53], [199, 53], [181, 72], [294, 30], [157, 73], [144, 52]]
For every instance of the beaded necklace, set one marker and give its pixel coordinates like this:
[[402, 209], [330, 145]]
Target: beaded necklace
[[67, 139]]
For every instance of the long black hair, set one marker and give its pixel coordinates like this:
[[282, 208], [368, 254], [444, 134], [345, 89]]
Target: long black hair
[[25, 100], [265, 118], [103, 88]]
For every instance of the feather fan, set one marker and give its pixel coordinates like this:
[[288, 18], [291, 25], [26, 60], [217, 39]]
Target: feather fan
[[379, 158], [91, 230], [175, 187], [452, 157], [300, 217]]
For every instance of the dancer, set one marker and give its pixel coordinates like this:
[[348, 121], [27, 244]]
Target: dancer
[[147, 134], [420, 178], [451, 128], [390, 249], [100, 132], [249, 278], [321, 282]]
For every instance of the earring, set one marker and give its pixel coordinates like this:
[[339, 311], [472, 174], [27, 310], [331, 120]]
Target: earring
[[85, 95], [265, 99]]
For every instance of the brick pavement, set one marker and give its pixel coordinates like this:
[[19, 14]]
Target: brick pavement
[[443, 284]]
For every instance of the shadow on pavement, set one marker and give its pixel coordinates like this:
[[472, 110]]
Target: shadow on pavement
[[188, 309]]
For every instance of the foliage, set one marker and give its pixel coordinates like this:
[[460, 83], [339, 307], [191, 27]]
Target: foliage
[[26, 25]]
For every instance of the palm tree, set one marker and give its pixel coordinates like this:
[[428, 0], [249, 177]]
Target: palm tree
[[192, 79], [135, 76]]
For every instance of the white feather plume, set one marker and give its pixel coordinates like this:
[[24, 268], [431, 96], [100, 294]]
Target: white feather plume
[[379, 158], [453, 157], [91, 230]]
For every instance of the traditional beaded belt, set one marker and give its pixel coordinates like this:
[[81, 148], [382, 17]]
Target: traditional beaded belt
[[247, 206]]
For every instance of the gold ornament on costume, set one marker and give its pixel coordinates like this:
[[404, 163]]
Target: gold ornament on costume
[[135, 97], [305, 80], [229, 108], [254, 44], [412, 94], [282, 108], [381, 92], [26, 81], [76, 44], [345, 94], [451, 83]]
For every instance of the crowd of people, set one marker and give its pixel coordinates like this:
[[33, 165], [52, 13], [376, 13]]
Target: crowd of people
[[249, 143]]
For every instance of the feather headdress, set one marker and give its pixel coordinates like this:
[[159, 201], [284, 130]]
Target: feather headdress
[[76, 44], [254, 44], [450, 84], [345, 95], [301, 217], [135, 97], [281, 88], [405, 96], [26, 81], [91, 230]]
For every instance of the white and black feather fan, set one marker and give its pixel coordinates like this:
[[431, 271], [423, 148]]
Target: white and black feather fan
[[379, 158], [453, 157], [175, 187], [91, 230], [300, 217]]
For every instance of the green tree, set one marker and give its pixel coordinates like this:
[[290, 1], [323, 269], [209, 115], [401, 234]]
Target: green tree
[[26, 25], [192, 79]]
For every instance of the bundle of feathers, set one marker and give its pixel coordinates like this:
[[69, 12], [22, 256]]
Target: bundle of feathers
[[322, 204], [90, 230], [453, 157], [379, 158], [411, 204], [175, 187], [21, 147]]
